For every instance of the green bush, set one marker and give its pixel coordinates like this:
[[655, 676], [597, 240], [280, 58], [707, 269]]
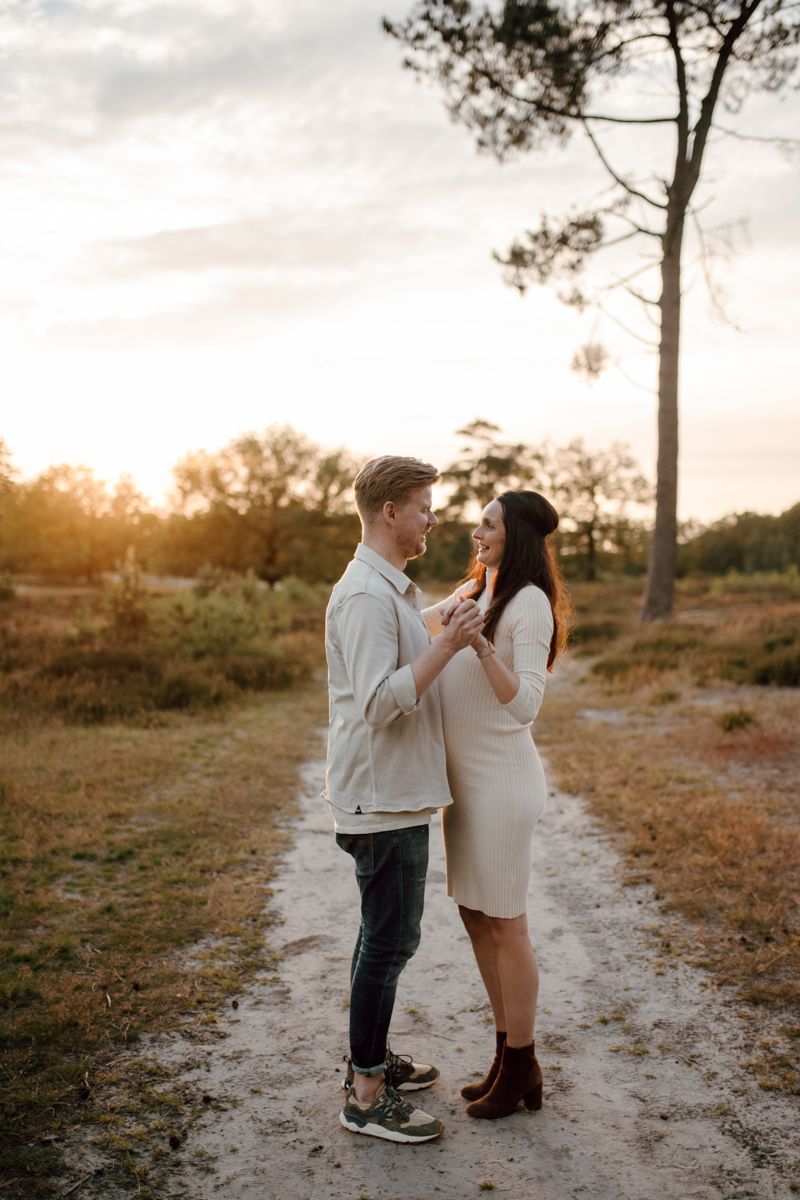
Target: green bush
[[190, 686], [765, 652], [586, 635], [112, 660], [779, 667], [613, 666], [200, 624], [189, 650]]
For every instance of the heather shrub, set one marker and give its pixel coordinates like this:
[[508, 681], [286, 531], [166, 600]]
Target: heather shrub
[[132, 653]]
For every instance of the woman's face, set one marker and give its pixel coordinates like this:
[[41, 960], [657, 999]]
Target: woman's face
[[490, 535]]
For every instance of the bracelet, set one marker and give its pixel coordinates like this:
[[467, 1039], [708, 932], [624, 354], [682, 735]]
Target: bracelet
[[489, 649]]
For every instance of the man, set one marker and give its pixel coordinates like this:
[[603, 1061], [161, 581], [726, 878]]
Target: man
[[386, 774]]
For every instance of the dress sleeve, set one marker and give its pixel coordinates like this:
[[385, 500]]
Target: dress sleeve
[[432, 615], [382, 691], [531, 629]]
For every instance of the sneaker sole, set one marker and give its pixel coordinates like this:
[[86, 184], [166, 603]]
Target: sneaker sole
[[389, 1135]]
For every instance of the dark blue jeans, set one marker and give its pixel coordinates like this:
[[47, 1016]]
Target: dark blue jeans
[[390, 870]]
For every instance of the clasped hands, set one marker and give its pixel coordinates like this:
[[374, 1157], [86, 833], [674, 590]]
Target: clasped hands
[[465, 619]]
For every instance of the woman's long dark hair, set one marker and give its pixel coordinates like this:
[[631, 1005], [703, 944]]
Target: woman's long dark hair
[[527, 558]]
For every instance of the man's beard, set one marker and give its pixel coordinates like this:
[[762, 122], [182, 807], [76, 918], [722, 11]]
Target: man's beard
[[416, 548]]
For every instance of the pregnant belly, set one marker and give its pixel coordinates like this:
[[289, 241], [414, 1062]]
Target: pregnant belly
[[491, 751]]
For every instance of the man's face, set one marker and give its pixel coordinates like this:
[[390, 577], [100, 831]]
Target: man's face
[[413, 519]]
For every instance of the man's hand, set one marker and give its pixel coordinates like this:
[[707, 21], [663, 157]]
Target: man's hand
[[446, 611], [462, 623]]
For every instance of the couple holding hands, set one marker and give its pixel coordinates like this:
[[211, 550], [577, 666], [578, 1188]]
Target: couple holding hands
[[432, 709]]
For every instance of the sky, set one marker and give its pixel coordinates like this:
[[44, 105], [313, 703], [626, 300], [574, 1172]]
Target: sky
[[221, 215]]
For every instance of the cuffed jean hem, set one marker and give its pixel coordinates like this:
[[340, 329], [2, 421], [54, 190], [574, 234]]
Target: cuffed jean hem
[[369, 1070]]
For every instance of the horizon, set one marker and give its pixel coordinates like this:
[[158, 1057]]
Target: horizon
[[166, 502]]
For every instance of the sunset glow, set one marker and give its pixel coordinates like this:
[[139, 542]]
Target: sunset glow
[[222, 216]]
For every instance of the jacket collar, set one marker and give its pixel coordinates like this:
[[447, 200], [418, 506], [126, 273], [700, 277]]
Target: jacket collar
[[398, 579]]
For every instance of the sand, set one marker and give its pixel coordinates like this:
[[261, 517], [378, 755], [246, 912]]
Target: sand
[[646, 1096]]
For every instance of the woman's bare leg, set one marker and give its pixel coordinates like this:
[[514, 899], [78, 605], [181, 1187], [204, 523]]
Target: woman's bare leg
[[509, 970], [518, 975], [483, 947]]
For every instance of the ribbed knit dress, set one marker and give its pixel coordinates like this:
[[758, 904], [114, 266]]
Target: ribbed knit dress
[[496, 776]]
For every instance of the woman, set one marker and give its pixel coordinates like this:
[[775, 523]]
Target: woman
[[490, 696]]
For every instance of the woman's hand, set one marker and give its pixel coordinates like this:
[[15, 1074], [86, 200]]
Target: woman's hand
[[452, 606], [447, 611]]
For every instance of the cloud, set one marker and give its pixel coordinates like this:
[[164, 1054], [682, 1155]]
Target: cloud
[[338, 242], [84, 72], [236, 312]]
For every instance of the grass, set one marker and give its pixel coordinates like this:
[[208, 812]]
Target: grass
[[134, 884], [696, 779], [122, 654], [137, 852], [750, 634]]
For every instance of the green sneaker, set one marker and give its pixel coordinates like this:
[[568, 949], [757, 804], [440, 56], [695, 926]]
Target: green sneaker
[[402, 1073], [389, 1116], [405, 1075]]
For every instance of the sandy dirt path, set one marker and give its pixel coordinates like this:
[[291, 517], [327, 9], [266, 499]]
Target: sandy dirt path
[[644, 1099]]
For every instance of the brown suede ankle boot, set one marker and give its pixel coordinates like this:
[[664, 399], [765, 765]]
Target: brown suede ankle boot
[[474, 1091], [519, 1078]]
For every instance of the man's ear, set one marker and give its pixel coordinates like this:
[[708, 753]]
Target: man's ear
[[389, 511]]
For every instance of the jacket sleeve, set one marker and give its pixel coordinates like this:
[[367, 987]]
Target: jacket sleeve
[[367, 634], [531, 630]]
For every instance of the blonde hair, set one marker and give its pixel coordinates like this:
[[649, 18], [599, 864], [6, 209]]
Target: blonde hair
[[389, 478]]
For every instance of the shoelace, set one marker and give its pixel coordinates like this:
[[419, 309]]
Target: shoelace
[[395, 1061], [394, 1104]]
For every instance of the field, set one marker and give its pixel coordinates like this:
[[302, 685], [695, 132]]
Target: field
[[685, 740], [136, 853], [142, 820]]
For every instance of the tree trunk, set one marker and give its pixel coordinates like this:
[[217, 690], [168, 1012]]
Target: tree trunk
[[664, 549], [591, 554]]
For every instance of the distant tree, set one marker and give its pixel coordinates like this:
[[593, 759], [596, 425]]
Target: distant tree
[[131, 526], [483, 465], [259, 500], [595, 489], [6, 470], [7, 492], [56, 525], [745, 542], [522, 74], [66, 524]]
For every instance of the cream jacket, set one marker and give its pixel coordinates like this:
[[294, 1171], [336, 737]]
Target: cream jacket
[[385, 747]]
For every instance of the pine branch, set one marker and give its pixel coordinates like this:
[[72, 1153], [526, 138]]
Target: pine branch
[[642, 299], [713, 290], [648, 266], [703, 125], [539, 105], [776, 139], [618, 178], [651, 345]]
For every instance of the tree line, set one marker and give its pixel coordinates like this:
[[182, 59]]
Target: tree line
[[278, 505]]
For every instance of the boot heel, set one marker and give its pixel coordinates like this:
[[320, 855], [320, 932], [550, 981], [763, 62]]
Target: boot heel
[[533, 1099]]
